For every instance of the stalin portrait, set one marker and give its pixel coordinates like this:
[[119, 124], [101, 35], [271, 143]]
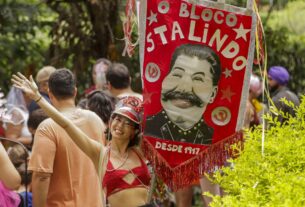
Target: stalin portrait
[[188, 88]]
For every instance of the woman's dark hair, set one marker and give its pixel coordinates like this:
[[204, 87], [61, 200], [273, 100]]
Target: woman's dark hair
[[18, 156], [101, 103], [36, 117], [135, 141], [26, 177], [82, 103]]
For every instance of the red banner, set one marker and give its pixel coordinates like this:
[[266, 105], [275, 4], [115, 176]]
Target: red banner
[[196, 61]]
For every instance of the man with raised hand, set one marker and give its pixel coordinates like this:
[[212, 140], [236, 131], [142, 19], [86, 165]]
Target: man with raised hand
[[62, 174]]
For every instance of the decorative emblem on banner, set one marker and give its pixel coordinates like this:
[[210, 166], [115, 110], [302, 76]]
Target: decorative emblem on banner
[[152, 72], [196, 64], [221, 116]]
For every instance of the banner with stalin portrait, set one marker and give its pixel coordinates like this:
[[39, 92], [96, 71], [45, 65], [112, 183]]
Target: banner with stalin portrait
[[196, 59]]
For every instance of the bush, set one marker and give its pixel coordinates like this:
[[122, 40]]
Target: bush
[[274, 177]]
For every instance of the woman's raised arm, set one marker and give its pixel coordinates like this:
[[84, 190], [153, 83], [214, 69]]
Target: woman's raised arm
[[89, 146]]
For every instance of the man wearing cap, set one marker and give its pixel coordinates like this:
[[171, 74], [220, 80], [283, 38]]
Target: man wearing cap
[[42, 79], [278, 78]]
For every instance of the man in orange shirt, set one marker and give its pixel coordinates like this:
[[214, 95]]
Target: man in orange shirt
[[62, 174]]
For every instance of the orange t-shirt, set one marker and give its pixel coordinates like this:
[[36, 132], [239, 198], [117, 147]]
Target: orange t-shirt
[[74, 181]]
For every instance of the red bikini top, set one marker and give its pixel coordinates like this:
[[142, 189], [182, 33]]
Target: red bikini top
[[113, 181]]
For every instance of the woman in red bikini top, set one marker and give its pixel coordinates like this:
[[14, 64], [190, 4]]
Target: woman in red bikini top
[[126, 177], [125, 174]]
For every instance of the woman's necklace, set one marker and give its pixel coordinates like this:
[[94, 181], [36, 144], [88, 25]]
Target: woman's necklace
[[122, 162]]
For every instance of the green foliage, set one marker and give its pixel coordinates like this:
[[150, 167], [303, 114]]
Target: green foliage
[[83, 32], [274, 176], [74, 34], [70, 34], [24, 27], [290, 18], [285, 39], [289, 52], [239, 3]]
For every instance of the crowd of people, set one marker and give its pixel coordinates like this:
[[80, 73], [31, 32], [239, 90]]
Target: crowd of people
[[87, 153]]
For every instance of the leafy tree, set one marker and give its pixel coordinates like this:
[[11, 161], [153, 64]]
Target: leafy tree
[[288, 53], [68, 34], [274, 176], [285, 38], [83, 32], [23, 38]]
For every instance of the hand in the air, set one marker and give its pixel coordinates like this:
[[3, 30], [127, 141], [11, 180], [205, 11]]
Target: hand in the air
[[29, 87]]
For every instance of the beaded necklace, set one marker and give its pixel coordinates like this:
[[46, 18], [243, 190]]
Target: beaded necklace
[[122, 162]]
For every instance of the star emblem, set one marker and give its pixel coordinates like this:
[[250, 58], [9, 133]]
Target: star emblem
[[227, 93], [241, 32], [227, 73], [147, 98], [152, 18]]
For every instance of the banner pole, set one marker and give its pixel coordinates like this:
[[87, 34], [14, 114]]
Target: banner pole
[[250, 4]]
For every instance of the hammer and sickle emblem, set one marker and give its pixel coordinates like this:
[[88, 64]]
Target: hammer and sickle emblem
[[221, 115], [152, 71]]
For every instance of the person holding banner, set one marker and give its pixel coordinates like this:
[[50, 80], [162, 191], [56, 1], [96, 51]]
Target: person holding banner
[[189, 87], [124, 174]]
